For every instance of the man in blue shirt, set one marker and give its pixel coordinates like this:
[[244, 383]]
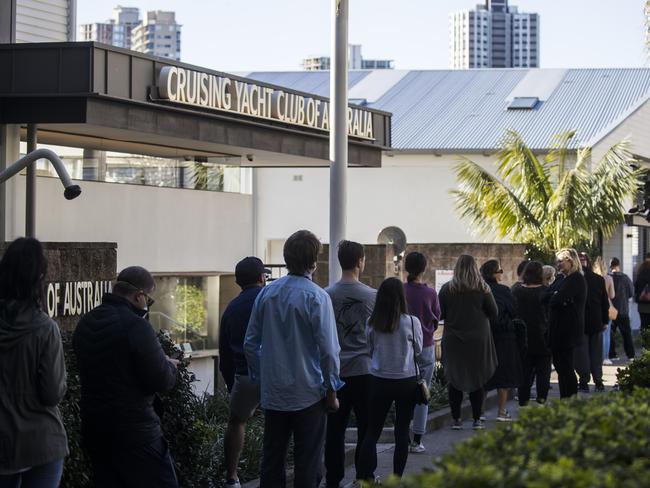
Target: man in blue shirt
[[292, 347], [250, 275]]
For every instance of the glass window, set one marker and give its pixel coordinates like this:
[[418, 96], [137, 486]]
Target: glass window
[[222, 173]]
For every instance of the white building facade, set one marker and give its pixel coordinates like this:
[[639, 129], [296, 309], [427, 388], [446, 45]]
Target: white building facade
[[494, 35], [37, 20]]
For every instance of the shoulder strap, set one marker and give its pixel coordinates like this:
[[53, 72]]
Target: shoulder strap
[[417, 370]]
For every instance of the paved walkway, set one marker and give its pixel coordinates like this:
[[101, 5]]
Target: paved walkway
[[442, 441]]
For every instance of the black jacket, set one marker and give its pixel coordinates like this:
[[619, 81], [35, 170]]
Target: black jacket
[[533, 311], [597, 306], [121, 367], [623, 291], [232, 333], [567, 312]]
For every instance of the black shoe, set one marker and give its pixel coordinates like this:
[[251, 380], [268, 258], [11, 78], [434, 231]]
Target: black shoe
[[600, 387], [583, 388]]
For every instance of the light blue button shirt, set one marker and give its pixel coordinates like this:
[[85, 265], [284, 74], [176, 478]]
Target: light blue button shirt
[[292, 345]]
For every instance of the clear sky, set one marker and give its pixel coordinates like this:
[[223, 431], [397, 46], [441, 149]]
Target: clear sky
[[246, 35]]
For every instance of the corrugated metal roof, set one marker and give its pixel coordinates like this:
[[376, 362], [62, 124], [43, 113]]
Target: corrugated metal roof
[[466, 110]]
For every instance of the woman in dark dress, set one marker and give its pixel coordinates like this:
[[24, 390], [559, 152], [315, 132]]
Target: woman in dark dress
[[641, 285], [468, 355], [509, 370], [532, 310], [567, 319]]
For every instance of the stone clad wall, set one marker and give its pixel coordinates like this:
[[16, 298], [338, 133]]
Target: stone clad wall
[[79, 272], [380, 263]]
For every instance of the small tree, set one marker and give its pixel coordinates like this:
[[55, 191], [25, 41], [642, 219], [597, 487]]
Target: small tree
[[557, 201]]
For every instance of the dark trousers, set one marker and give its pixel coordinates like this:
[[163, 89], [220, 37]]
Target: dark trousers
[[645, 320], [383, 393], [536, 368], [456, 398], [125, 467], [588, 359], [308, 429], [566, 375], [622, 323], [352, 397], [43, 476]]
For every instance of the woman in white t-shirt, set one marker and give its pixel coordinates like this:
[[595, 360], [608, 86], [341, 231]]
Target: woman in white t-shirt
[[394, 339]]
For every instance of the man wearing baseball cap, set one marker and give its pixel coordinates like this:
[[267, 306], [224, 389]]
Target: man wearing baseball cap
[[250, 275]]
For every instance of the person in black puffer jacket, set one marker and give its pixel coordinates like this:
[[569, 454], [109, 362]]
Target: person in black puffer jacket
[[509, 372], [588, 356], [121, 367], [567, 319]]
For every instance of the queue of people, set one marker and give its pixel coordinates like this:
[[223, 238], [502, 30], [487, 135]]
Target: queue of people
[[309, 357]]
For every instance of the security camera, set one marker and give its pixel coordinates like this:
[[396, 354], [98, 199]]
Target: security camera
[[249, 157]]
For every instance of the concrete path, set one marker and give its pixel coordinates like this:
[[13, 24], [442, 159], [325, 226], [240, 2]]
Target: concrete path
[[442, 441]]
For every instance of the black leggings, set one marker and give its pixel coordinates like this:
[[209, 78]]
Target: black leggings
[[383, 392], [566, 375], [456, 398]]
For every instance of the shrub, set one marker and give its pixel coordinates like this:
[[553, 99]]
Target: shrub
[[76, 472], [576, 443], [636, 374], [645, 338]]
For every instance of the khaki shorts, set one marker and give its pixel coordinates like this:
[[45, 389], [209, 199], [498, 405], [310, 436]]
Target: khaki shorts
[[244, 397]]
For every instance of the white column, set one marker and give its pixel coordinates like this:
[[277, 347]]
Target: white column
[[9, 153], [338, 132]]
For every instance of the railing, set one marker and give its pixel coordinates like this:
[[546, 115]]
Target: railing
[[163, 321]]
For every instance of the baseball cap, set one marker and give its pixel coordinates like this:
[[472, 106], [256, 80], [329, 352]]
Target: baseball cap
[[248, 271]]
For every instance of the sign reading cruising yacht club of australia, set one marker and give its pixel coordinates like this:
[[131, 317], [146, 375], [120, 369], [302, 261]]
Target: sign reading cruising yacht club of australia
[[191, 87]]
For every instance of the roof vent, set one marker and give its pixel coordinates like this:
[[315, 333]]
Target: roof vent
[[523, 103]]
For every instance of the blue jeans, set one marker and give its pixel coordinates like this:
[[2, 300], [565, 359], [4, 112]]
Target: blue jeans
[[43, 476], [606, 340], [426, 362]]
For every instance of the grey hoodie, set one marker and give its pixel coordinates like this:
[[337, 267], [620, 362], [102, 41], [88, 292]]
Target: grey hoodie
[[32, 383]]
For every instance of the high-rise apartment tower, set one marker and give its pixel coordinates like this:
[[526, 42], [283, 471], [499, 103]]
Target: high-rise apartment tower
[[158, 34], [494, 35]]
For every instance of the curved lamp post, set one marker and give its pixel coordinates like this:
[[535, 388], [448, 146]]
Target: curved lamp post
[[71, 190]]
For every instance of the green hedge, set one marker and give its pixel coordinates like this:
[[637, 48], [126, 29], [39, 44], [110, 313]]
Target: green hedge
[[194, 427], [599, 442], [636, 374]]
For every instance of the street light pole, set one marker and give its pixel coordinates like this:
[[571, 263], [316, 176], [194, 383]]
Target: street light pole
[[30, 181], [338, 133]]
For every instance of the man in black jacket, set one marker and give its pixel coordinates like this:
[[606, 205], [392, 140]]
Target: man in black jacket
[[588, 359], [121, 367]]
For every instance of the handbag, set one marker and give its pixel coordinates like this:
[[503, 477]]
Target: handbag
[[612, 312], [422, 393], [644, 296]]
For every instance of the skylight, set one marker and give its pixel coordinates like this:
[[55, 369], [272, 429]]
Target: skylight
[[523, 103]]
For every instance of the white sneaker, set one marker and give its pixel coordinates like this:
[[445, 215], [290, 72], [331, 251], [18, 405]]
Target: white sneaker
[[504, 417], [233, 484], [417, 448], [607, 362]]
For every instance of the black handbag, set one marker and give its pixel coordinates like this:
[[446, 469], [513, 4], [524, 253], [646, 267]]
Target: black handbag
[[422, 393]]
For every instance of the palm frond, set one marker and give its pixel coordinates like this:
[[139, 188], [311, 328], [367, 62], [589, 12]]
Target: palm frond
[[613, 181], [523, 172], [490, 204]]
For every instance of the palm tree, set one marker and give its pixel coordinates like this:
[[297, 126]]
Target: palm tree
[[560, 200]]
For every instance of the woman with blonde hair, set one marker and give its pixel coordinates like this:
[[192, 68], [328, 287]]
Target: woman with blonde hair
[[567, 319], [599, 269], [468, 353]]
